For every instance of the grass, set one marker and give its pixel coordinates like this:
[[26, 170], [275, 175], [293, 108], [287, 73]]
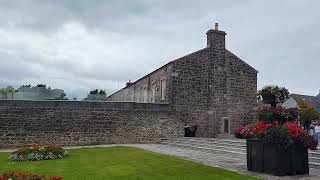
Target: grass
[[119, 163]]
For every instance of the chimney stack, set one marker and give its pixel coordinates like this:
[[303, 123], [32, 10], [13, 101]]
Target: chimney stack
[[128, 83], [215, 26], [216, 38]]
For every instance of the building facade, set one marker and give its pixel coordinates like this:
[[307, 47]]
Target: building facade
[[211, 88], [27, 92], [295, 99]]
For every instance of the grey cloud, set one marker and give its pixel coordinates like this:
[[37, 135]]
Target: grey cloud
[[280, 39]]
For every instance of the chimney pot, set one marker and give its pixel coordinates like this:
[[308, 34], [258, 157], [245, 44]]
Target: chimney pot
[[216, 26], [128, 83]]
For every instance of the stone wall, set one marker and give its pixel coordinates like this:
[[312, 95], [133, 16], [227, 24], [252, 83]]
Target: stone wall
[[189, 93], [241, 90], [83, 123], [212, 85]]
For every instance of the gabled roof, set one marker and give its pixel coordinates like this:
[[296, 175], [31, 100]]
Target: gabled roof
[[158, 69], [240, 60], [311, 100]]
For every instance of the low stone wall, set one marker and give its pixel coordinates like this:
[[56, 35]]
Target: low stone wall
[[85, 123]]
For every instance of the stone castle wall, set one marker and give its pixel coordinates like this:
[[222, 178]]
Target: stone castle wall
[[83, 123]]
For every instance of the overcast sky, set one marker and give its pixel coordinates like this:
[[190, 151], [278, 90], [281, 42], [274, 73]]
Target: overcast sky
[[84, 44]]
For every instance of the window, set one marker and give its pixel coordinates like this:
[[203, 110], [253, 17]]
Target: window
[[163, 89], [145, 97], [154, 88]]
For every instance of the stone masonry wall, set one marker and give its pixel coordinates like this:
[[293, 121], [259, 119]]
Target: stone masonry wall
[[83, 123], [210, 85], [189, 91], [241, 90]]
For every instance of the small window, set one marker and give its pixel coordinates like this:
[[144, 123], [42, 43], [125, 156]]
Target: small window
[[163, 89], [154, 89]]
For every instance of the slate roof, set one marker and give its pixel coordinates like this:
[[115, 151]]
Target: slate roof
[[313, 101]]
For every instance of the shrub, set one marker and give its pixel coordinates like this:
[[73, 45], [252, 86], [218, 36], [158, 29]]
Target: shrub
[[273, 94], [35, 152], [24, 176], [269, 115], [278, 135], [307, 141], [307, 114]]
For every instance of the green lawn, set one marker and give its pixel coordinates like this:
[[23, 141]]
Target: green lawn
[[119, 163]]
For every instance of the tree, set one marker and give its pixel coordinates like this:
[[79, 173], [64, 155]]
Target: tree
[[4, 93], [41, 85], [102, 92], [273, 95], [62, 97], [307, 114], [94, 91], [12, 91]]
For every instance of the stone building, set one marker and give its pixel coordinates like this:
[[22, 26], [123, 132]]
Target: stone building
[[211, 88], [294, 99], [28, 92]]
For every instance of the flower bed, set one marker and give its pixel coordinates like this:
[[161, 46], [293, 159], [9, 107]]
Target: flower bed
[[24, 176], [35, 152]]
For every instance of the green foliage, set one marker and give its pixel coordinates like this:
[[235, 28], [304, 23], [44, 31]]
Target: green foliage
[[278, 135], [269, 115], [307, 113], [35, 152], [120, 163], [63, 96], [273, 94], [96, 91]]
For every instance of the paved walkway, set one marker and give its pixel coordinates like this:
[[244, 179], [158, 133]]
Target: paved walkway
[[233, 163]]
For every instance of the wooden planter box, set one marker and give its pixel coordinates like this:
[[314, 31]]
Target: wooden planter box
[[274, 159]]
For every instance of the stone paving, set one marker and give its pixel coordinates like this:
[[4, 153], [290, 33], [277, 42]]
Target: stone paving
[[231, 162]]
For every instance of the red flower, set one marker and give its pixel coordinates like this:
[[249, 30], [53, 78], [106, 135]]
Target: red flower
[[21, 176], [261, 128], [243, 132], [56, 178], [294, 130]]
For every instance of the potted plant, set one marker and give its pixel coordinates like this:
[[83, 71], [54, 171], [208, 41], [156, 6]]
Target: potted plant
[[279, 149], [276, 144], [273, 95]]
